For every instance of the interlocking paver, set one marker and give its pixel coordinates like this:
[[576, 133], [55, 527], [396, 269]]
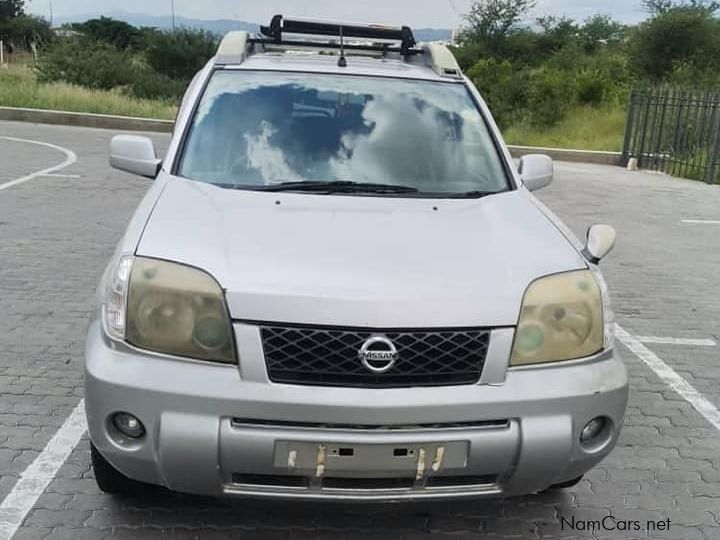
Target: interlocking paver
[[56, 235]]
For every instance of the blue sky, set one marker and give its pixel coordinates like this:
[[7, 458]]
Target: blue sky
[[437, 13]]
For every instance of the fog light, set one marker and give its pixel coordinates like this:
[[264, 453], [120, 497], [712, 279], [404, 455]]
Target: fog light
[[128, 425], [593, 429]]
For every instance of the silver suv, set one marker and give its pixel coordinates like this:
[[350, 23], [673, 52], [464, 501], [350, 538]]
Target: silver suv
[[339, 286]]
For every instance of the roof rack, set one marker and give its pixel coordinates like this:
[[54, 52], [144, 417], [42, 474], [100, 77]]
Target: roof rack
[[236, 47], [280, 26]]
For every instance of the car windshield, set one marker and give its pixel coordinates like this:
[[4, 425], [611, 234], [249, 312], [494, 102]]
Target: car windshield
[[264, 130]]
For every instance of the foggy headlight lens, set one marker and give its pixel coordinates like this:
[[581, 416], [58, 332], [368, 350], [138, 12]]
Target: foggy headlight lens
[[561, 319], [178, 310]]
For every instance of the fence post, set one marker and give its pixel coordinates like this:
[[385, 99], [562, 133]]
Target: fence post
[[629, 127], [714, 156]]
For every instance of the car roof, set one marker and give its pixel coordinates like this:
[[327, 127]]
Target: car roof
[[313, 62]]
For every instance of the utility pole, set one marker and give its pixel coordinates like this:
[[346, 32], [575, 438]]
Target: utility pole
[[51, 14], [172, 9]]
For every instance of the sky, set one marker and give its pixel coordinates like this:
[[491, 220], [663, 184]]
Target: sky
[[418, 13]]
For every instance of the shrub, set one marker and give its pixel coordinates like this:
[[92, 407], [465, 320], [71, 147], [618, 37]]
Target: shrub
[[502, 86], [551, 93], [86, 63], [148, 84], [592, 86], [604, 76], [179, 55]]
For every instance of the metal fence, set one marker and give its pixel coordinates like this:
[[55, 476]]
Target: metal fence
[[674, 131]]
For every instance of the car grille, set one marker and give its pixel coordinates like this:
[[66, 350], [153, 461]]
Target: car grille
[[329, 357]]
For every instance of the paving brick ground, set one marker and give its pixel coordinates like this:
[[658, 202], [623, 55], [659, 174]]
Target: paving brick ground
[[56, 235]]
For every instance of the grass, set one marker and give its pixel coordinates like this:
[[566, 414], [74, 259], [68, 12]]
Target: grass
[[584, 128], [19, 88]]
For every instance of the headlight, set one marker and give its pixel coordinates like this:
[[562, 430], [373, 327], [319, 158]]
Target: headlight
[[168, 308], [561, 319]]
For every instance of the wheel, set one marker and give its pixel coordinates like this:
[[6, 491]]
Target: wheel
[[109, 479], [565, 485]]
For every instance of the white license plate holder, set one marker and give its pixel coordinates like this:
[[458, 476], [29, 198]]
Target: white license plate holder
[[372, 460]]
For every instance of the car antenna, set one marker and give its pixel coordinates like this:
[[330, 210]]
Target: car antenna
[[343, 61]]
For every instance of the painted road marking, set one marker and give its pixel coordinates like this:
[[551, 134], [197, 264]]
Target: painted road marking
[[40, 472], [677, 341], [70, 158], [50, 175], [670, 377], [702, 221]]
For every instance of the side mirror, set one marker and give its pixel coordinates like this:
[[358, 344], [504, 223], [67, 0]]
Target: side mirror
[[135, 155], [536, 171], [600, 242]]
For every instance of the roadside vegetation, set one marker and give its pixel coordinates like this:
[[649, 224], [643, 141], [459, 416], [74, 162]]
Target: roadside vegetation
[[550, 81], [553, 81], [19, 87]]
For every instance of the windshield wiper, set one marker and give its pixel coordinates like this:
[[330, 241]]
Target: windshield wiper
[[470, 195], [336, 187], [339, 186]]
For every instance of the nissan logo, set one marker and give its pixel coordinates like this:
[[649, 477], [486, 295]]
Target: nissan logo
[[378, 354]]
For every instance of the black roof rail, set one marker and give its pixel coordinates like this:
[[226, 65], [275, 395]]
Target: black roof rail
[[280, 25]]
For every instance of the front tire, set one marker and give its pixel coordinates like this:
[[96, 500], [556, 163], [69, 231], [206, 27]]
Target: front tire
[[109, 479]]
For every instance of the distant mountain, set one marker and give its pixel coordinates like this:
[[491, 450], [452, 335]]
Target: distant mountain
[[433, 34], [219, 26]]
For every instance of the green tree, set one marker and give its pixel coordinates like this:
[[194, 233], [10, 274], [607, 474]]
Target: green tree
[[557, 32], [601, 31], [656, 7], [27, 29], [682, 35], [496, 18], [493, 30], [117, 33], [10, 9]]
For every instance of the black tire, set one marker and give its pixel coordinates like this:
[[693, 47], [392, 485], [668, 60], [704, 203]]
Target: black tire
[[564, 485], [109, 479]]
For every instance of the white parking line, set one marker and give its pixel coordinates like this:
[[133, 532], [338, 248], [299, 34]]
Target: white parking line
[[50, 175], [677, 341], [39, 474], [70, 158], [670, 377], [702, 221]]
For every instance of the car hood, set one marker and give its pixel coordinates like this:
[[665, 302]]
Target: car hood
[[360, 261]]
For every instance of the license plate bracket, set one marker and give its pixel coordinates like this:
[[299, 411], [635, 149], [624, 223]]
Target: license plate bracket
[[371, 460]]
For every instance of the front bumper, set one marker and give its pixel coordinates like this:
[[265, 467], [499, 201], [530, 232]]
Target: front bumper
[[224, 430]]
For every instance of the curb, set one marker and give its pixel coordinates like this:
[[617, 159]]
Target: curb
[[575, 156], [102, 121], [129, 123]]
